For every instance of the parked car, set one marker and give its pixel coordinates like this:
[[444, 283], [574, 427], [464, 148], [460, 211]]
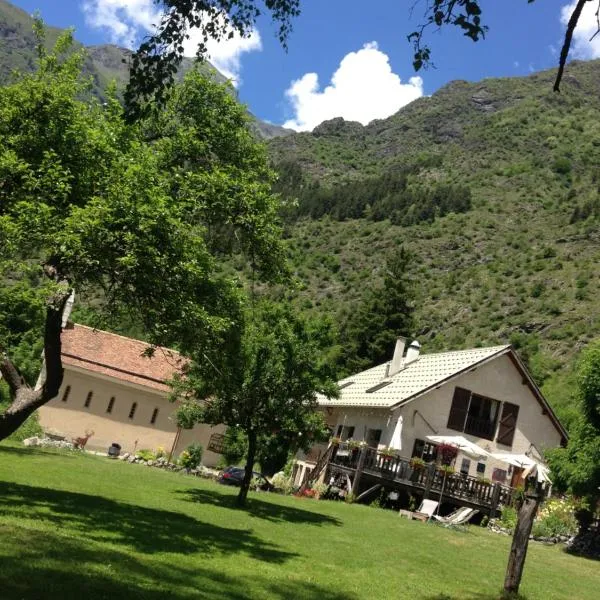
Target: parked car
[[235, 476]]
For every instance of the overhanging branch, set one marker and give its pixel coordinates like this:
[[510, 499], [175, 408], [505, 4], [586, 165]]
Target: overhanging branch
[[564, 53]]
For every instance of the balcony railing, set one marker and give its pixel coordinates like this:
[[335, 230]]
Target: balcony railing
[[428, 476]]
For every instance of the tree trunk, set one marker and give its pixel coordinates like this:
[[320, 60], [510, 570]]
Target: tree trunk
[[241, 499], [25, 399], [520, 541]]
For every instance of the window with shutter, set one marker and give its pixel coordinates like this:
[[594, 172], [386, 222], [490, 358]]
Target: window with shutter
[[508, 424], [459, 409]]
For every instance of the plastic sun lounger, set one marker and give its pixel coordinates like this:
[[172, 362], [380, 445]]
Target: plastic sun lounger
[[460, 516]]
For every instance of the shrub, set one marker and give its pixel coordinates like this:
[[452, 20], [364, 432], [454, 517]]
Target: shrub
[[556, 517], [282, 483], [145, 454], [508, 517], [191, 457]]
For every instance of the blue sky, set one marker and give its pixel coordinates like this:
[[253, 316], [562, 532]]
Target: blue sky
[[362, 45]]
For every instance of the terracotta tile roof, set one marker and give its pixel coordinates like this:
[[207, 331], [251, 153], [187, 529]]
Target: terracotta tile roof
[[119, 357], [372, 388]]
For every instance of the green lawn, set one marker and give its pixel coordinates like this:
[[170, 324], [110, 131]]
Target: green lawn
[[74, 526]]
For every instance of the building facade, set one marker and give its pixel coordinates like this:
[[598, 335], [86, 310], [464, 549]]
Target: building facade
[[114, 388], [483, 394]]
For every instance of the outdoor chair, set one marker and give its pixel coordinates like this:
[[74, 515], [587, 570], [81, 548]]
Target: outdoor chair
[[461, 516], [425, 511]]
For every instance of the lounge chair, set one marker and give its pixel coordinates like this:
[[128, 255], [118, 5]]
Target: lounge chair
[[461, 516], [425, 511]]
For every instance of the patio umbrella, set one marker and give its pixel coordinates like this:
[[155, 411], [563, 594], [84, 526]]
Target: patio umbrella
[[525, 462], [468, 448], [396, 441], [463, 445]]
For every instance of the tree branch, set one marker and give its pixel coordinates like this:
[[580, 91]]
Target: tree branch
[[10, 374], [564, 53], [52, 343]]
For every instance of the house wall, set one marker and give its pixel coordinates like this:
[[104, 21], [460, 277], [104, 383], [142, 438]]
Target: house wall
[[428, 415], [72, 418]]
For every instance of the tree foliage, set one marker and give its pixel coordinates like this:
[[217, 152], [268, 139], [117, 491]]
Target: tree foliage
[[264, 381], [391, 195], [154, 65], [139, 212], [369, 333], [577, 467]]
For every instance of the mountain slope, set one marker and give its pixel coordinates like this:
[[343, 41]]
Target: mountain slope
[[104, 63], [520, 266]]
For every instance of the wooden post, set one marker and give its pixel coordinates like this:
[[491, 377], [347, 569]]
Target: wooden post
[[429, 481], [175, 442], [520, 541], [495, 500], [359, 469]]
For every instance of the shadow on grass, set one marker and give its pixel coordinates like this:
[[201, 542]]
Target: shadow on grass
[[476, 596], [16, 451], [50, 565], [262, 509], [143, 529]]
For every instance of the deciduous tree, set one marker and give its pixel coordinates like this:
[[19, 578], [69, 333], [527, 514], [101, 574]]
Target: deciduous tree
[[576, 468], [264, 381], [139, 213]]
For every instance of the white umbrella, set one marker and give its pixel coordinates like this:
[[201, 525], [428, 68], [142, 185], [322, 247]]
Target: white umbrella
[[463, 445], [460, 443], [396, 441], [525, 462]]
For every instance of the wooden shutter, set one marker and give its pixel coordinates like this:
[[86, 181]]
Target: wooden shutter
[[508, 424], [459, 408]]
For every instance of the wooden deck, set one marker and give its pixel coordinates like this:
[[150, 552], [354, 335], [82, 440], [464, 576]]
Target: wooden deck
[[368, 466]]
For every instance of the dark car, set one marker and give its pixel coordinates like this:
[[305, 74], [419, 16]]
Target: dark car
[[235, 476]]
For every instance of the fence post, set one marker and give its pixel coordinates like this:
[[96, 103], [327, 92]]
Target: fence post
[[429, 481], [520, 541], [359, 469], [495, 500]]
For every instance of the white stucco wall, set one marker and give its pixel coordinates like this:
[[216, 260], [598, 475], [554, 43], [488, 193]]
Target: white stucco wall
[[428, 415], [72, 418]]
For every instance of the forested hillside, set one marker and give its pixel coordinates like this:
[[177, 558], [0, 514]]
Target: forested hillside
[[493, 186]]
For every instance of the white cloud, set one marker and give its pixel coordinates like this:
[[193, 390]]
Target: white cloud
[[126, 21], [583, 46], [362, 89]]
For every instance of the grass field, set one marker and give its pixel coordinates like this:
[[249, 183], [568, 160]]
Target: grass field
[[75, 526]]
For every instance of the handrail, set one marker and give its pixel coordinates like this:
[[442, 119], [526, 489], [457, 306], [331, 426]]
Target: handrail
[[428, 476]]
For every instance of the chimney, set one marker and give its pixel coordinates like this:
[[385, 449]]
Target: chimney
[[397, 359], [412, 354]]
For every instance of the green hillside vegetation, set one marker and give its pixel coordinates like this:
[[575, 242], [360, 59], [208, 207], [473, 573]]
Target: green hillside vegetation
[[516, 263]]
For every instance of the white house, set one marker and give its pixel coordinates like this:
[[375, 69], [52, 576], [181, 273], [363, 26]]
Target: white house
[[484, 394]]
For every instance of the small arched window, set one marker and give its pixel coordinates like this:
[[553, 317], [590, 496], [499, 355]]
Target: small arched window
[[88, 399], [111, 403], [66, 393], [154, 415], [132, 411]]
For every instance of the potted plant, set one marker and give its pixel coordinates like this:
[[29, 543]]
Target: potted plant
[[417, 463], [335, 441], [387, 454], [446, 453]]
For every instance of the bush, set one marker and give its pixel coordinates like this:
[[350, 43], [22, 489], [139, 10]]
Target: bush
[[508, 517], [145, 454], [191, 457], [282, 483], [557, 517]]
